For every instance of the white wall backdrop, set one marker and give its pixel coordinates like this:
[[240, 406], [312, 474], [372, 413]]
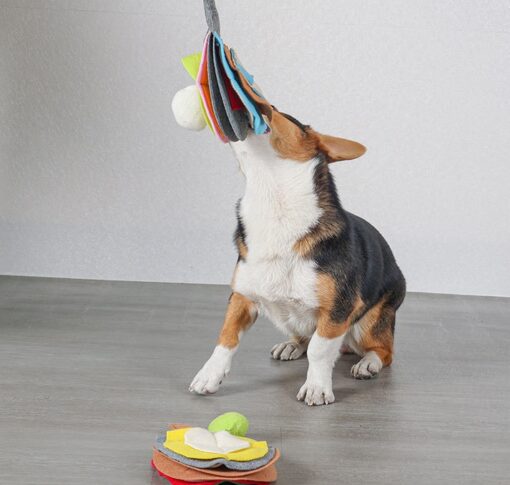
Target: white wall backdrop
[[98, 181]]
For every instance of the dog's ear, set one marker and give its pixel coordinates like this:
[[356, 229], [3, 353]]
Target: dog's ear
[[336, 148]]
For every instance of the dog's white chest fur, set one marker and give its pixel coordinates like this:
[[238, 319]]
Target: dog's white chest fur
[[278, 208]]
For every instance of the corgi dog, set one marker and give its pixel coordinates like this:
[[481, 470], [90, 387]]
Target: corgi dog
[[323, 276]]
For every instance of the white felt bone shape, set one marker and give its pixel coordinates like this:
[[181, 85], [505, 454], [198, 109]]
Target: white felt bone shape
[[221, 442]]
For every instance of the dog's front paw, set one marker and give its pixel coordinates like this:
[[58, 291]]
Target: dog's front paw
[[316, 394], [368, 367], [288, 351], [207, 381], [209, 377]]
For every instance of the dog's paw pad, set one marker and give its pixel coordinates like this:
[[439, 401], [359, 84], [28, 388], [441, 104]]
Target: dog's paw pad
[[288, 351]]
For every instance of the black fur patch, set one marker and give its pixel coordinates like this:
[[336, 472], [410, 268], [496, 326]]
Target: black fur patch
[[300, 125], [357, 257], [240, 232]]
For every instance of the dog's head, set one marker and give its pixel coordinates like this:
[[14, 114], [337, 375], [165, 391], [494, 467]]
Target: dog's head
[[292, 140], [288, 138]]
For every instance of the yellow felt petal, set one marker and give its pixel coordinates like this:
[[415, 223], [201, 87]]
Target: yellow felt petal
[[175, 442], [191, 63]]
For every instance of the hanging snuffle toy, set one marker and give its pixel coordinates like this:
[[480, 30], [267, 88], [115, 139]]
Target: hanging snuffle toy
[[224, 96]]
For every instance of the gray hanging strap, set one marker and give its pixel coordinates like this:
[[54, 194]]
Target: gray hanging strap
[[211, 16]]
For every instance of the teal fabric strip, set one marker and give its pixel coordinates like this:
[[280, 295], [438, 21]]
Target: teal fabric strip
[[216, 100], [259, 125], [238, 119]]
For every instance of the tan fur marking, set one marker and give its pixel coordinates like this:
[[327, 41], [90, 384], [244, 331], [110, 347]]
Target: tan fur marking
[[385, 355], [327, 328], [326, 291], [327, 294], [305, 245], [377, 334], [289, 141], [242, 249], [241, 313]]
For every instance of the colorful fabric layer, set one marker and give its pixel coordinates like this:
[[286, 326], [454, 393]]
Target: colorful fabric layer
[[236, 115], [247, 82], [219, 108], [192, 65], [175, 442], [266, 473], [259, 125], [176, 481], [231, 464], [203, 87]]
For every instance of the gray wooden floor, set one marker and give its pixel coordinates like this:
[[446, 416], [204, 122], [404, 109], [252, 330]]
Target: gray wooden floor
[[91, 371]]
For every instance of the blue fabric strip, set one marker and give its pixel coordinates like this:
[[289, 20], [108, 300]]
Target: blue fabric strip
[[259, 125]]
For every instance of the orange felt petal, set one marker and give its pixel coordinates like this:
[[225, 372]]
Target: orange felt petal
[[203, 88]]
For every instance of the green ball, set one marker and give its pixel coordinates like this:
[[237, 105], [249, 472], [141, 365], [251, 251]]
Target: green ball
[[234, 423]]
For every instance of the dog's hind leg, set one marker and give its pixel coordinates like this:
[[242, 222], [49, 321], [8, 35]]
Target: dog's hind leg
[[374, 336]]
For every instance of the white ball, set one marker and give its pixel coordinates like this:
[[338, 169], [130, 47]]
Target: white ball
[[186, 108]]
